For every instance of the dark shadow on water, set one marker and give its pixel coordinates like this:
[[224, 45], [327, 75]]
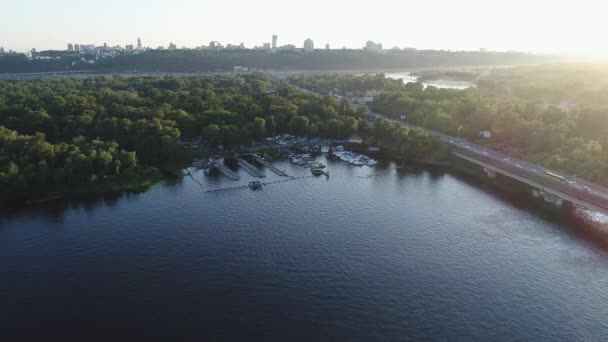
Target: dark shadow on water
[[55, 210], [593, 234]]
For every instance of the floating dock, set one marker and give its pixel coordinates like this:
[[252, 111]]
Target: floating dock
[[262, 183], [270, 166], [252, 170], [225, 170]]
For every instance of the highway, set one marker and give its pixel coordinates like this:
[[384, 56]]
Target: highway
[[586, 194]]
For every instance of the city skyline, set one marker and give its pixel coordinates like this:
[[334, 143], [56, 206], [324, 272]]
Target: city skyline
[[430, 25]]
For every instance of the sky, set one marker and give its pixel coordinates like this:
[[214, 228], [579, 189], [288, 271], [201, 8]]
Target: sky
[[553, 26]]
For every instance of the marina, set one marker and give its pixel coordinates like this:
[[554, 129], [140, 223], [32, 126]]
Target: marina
[[353, 158], [218, 164], [250, 169], [270, 166]]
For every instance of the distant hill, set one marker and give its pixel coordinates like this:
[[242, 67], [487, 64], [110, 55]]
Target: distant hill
[[226, 60]]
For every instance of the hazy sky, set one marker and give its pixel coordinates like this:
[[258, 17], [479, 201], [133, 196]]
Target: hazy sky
[[525, 25]]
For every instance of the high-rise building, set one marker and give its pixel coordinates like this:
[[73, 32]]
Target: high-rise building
[[172, 46], [274, 41], [70, 47], [76, 47], [326, 46], [309, 45], [2, 50], [138, 43], [372, 46]]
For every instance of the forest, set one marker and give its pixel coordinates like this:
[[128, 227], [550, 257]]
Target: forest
[[555, 115], [58, 134]]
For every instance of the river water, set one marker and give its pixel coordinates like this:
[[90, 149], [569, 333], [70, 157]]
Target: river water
[[441, 84], [404, 255]]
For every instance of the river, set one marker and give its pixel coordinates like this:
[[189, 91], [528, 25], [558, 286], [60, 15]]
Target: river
[[405, 255], [442, 84]]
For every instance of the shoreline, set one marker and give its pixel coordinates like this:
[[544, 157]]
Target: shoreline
[[135, 185]]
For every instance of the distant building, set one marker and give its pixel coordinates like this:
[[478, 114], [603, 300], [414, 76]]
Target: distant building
[[129, 47], [139, 47], [326, 46], [215, 45], [485, 134], [371, 46], [2, 50], [309, 45], [235, 47], [87, 47], [172, 46], [355, 139], [76, 47], [70, 47], [274, 41], [266, 46]]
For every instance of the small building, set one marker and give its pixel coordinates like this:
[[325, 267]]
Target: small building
[[368, 99], [355, 139], [485, 134]]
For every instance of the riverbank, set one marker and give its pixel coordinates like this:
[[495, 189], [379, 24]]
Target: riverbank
[[136, 184]]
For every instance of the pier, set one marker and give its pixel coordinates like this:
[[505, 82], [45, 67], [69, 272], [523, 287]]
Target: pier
[[252, 170], [270, 166], [241, 187], [225, 170]]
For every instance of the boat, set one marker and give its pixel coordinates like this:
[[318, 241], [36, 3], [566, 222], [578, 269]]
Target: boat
[[316, 171], [201, 164], [255, 185]]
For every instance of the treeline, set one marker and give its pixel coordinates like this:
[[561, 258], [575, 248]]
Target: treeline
[[206, 60], [347, 83], [573, 140], [31, 161], [410, 143], [563, 85], [58, 133]]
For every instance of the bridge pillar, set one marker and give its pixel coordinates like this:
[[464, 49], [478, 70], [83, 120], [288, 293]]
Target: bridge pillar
[[549, 198], [490, 173]]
